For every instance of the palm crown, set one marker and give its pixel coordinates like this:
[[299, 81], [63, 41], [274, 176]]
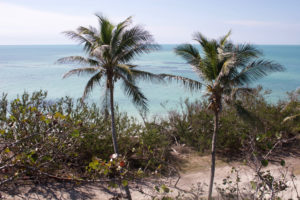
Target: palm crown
[[224, 67], [109, 50]]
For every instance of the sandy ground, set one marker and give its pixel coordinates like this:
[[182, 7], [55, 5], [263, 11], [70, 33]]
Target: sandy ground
[[194, 178]]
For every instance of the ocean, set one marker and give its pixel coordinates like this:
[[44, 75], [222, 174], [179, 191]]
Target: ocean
[[32, 67]]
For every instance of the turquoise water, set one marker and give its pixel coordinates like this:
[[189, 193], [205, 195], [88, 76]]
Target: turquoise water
[[31, 68]]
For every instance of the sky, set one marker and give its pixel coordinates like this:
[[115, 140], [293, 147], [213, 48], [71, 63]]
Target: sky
[[170, 21]]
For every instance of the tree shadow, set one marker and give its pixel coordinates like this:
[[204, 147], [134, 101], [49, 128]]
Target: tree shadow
[[57, 191]]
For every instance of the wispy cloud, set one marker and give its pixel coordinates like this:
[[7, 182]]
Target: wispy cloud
[[21, 25], [251, 23], [278, 25]]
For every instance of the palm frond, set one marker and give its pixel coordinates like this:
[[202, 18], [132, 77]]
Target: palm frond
[[134, 92], [188, 83], [223, 40], [208, 69], [256, 70], [143, 75], [117, 34], [78, 60], [201, 39], [91, 33], [235, 58], [91, 83], [244, 54], [125, 23], [123, 70], [134, 74], [106, 29], [131, 52], [81, 71], [134, 41], [87, 45], [210, 61], [102, 53], [247, 50], [189, 53]]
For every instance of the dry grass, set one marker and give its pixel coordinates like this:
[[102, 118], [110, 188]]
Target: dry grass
[[190, 161]]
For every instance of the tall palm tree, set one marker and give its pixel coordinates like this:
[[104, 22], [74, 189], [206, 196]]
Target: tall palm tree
[[109, 50], [225, 69]]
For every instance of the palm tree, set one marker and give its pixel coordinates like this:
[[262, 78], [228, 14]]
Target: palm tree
[[109, 50], [225, 69]]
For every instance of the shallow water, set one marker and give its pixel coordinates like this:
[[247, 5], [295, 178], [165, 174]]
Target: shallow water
[[31, 68]]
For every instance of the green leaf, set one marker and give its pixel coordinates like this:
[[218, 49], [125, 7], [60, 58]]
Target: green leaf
[[94, 164], [124, 183], [34, 157], [12, 118], [264, 163], [165, 188], [282, 163], [58, 115], [106, 170], [269, 145], [75, 133], [7, 150], [253, 185], [46, 158], [156, 188], [47, 121], [140, 172]]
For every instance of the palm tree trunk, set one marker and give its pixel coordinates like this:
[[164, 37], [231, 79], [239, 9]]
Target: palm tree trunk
[[213, 154], [113, 128], [112, 110]]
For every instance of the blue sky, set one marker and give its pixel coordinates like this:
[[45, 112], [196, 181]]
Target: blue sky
[[170, 21]]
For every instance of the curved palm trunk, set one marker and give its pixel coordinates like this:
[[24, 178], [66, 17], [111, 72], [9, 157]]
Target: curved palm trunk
[[113, 129], [213, 154]]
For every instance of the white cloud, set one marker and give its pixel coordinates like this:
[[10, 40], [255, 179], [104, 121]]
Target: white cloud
[[20, 25]]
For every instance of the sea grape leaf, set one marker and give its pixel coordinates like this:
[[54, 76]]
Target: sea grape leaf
[[253, 185], [124, 183], [264, 163], [282, 163]]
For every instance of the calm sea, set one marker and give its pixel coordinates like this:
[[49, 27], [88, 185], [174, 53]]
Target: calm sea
[[31, 68]]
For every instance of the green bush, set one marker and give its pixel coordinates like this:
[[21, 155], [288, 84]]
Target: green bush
[[193, 125], [40, 138]]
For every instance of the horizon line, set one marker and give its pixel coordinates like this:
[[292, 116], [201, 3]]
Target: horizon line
[[156, 43]]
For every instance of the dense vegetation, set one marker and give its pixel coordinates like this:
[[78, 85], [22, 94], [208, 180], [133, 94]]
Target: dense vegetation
[[67, 139], [61, 138]]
